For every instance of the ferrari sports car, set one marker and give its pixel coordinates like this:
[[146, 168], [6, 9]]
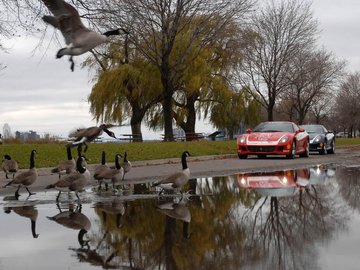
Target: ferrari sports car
[[321, 140], [274, 138]]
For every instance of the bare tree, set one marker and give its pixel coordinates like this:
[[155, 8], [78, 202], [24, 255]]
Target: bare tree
[[282, 31], [347, 107], [312, 77]]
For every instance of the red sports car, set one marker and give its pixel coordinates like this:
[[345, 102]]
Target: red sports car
[[274, 138]]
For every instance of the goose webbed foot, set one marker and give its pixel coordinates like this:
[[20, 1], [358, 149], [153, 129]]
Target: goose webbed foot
[[30, 193]]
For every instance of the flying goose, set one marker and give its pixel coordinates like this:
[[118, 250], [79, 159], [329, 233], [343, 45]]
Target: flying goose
[[28, 211], [177, 180], [126, 165], [112, 175], [26, 178], [75, 181], [78, 38], [9, 166], [73, 220], [84, 135], [100, 168], [65, 166]]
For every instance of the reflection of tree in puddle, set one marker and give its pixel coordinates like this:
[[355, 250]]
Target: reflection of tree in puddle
[[231, 228], [348, 179], [285, 229]]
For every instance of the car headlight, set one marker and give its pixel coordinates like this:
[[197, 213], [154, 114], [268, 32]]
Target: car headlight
[[284, 139], [242, 139], [317, 139]]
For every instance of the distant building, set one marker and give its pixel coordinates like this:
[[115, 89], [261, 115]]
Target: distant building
[[7, 131], [27, 136]]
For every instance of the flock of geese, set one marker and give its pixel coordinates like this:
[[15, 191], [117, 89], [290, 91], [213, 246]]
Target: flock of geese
[[79, 39], [77, 176]]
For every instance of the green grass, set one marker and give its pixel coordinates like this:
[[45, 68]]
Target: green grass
[[50, 154]]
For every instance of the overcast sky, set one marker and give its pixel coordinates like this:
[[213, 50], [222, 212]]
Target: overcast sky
[[39, 92]]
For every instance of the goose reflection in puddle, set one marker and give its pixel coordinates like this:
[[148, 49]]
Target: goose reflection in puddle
[[73, 219], [28, 211], [176, 211], [115, 207]]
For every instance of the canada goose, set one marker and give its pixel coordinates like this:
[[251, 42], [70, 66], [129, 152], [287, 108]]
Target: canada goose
[[9, 166], [177, 211], [65, 166], [75, 181], [78, 38], [84, 135], [100, 168], [73, 220], [26, 178], [28, 211], [126, 165], [177, 180], [112, 175]]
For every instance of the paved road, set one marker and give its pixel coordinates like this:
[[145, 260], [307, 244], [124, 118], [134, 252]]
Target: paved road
[[207, 166]]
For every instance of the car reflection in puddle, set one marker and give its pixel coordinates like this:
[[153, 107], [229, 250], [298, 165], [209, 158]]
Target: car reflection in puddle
[[286, 219]]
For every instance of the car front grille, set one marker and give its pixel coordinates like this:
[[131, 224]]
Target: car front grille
[[261, 148]]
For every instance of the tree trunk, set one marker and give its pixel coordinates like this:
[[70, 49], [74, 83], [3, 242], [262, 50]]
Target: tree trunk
[[135, 122], [167, 102], [136, 132]]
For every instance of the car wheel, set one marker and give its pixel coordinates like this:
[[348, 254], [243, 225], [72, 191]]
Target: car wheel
[[324, 150], [242, 156], [293, 151], [307, 151], [332, 149]]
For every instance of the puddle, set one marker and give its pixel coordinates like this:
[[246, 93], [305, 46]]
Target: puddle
[[292, 219]]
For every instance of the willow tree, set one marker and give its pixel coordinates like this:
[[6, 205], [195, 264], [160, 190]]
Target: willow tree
[[234, 110], [126, 91], [205, 72], [154, 26]]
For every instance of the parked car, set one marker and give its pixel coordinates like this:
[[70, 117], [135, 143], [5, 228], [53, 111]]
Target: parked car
[[341, 134], [321, 139], [274, 138]]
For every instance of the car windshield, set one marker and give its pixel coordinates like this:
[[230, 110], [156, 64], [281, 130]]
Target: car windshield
[[274, 127], [313, 129]]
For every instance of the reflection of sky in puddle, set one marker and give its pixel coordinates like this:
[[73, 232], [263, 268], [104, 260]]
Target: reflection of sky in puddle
[[236, 221]]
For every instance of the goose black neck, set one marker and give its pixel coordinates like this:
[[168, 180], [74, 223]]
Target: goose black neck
[[32, 160], [103, 158], [117, 162], [125, 157], [79, 165], [68, 151], [183, 161], [81, 237], [33, 229], [186, 233]]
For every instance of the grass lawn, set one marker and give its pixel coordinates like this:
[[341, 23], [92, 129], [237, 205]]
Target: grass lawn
[[50, 154]]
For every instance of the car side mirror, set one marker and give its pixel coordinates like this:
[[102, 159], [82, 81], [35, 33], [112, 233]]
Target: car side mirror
[[301, 130], [248, 131]]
